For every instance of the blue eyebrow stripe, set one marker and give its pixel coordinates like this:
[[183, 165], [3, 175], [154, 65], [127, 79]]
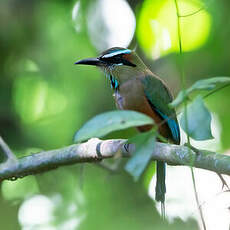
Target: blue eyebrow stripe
[[117, 52]]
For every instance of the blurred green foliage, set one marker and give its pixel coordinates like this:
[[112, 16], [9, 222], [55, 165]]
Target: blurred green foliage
[[158, 35], [44, 99]]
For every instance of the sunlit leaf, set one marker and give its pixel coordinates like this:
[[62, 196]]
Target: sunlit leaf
[[205, 84], [144, 143], [157, 35], [111, 121], [197, 123]]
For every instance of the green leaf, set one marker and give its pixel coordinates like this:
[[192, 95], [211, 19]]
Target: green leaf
[[198, 125], [144, 143], [105, 123], [205, 84]]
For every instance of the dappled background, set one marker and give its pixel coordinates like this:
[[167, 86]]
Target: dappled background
[[44, 99]]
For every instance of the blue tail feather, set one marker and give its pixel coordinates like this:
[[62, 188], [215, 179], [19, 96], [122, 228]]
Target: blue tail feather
[[160, 184], [173, 126]]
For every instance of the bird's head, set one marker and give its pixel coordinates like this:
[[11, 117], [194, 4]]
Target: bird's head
[[119, 64]]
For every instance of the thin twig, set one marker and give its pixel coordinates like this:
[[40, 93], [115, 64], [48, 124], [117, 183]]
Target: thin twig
[[191, 14], [6, 150], [197, 199], [224, 183]]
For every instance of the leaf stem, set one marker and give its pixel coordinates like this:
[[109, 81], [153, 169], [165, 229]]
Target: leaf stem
[[191, 14], [182, 70], [215, 90], [185, 106]]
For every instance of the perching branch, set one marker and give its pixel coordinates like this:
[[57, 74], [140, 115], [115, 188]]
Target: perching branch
[[96, 150]]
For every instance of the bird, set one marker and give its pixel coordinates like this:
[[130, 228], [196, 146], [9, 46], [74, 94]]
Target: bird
[[137, 88]]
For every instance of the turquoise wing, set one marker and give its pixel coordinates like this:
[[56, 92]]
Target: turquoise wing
[[159, 96]]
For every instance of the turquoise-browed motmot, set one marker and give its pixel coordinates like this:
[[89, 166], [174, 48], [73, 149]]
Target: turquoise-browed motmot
[[137, 88]]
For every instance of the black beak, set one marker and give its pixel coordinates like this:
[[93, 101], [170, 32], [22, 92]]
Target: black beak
[[90, 61]]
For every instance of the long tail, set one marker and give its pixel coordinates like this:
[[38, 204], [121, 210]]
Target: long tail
[[160, 185]]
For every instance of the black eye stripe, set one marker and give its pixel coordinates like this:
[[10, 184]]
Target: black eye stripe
[[126, 62], [116, 59]]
